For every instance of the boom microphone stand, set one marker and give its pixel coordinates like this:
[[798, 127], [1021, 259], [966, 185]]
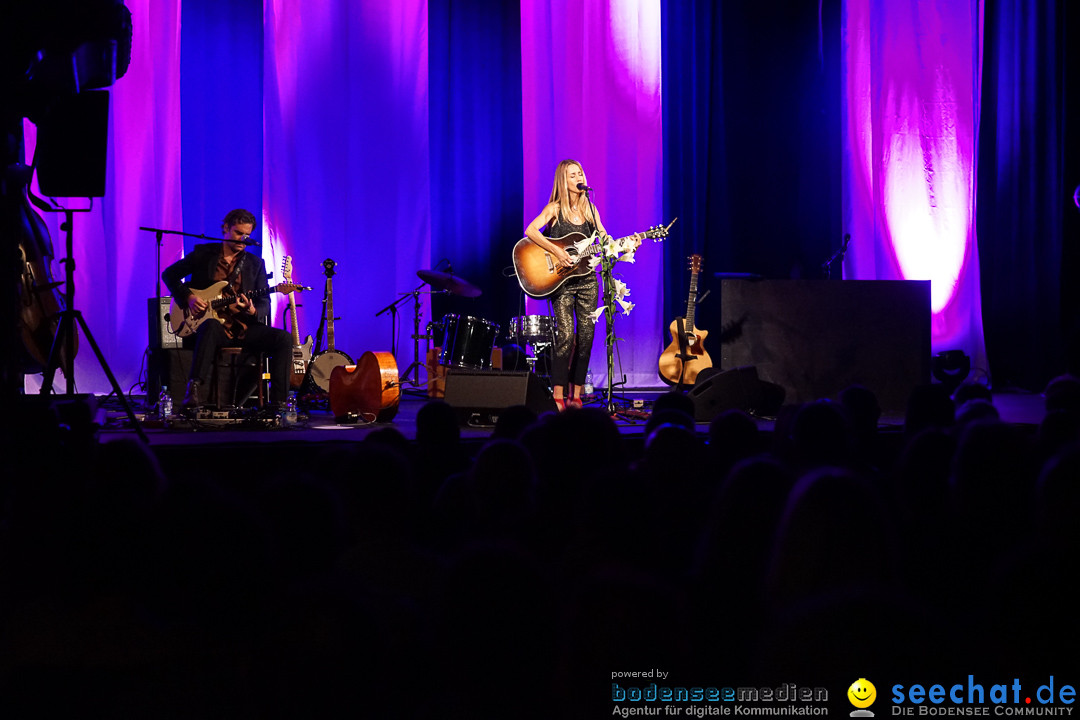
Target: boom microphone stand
[[158, 234]]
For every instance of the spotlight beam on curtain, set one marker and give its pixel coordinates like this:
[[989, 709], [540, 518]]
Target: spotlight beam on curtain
[[591, 92], [911, 106]]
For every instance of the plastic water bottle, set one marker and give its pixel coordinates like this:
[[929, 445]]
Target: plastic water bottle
[[164, 404], [588, 389], [288, 413]]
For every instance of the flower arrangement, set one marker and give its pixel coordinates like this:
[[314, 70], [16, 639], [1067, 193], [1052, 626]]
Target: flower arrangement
[[612, 251]]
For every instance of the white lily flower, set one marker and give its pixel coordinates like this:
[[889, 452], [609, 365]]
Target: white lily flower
[[597, 313], [627, 257], [626, 306]]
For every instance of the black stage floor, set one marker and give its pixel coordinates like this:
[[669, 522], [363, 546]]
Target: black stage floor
[[319, 426]]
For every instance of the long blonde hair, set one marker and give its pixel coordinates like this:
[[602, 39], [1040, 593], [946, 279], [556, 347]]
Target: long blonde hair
[[560, 191]]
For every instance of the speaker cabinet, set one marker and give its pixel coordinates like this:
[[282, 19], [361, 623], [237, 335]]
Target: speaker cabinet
[[168, 368], [479, 396], [816, 337], [160, 332]]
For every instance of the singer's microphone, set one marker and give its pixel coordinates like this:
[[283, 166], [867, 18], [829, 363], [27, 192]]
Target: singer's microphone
[[248, 240], [583, 186]]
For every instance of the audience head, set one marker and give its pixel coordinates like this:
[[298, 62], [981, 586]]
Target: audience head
[[512, 422], [861, 405], [437, 424], [1063, 393], [977, 409], [972, 390], [821, 435], [929, 406], [672, 400]]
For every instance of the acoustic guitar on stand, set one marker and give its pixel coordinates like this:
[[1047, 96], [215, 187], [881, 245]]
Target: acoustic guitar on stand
[[183, 322], [301, 353], [686, 356], [539, 273]]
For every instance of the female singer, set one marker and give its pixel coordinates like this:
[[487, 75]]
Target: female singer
[[569, 210]]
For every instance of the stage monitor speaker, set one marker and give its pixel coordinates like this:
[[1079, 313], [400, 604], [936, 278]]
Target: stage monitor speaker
[[160, 333], [479, 396], [718, 390]]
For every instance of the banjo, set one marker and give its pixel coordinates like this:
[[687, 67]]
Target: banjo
[[323, 364]]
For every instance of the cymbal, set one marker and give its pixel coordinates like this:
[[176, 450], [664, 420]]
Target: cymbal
[[450, 283]]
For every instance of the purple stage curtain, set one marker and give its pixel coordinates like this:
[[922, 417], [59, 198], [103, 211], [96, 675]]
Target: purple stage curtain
[[346, 158], [114, 260], [591, 91], [911, 107]]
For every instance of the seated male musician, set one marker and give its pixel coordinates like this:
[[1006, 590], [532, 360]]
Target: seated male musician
[[242, 324]]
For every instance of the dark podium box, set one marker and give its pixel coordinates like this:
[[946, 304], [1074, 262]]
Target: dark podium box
[[816, 337]]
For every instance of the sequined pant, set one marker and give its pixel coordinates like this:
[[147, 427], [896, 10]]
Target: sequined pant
[[571, 360]]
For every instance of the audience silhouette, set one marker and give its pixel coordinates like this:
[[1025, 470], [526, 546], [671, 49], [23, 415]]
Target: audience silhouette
[[412, 580]]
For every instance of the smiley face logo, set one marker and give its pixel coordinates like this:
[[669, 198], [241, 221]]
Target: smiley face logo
[[862, 693]]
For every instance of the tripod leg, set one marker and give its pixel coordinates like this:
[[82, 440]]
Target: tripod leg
[[55, 350], [112, 379]]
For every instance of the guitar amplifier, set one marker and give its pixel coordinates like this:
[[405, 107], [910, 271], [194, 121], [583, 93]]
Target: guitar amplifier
[[160, 332]]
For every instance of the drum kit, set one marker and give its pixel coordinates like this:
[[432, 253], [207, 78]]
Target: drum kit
[[467, 342]]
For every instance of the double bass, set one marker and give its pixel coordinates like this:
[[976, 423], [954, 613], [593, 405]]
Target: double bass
[[369, 390], [40, 301]]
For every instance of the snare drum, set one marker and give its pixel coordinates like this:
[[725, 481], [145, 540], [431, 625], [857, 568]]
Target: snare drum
[[532, 329], [467, 342]]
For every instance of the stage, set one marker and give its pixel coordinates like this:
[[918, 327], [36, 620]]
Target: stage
[[317, 429]]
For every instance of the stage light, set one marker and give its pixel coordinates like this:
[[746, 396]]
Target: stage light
[[951, 368]]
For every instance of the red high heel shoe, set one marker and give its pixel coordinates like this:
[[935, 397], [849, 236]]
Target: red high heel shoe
[[560, 404], [573, 403]]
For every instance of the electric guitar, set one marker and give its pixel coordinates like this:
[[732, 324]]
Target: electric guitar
[[183, 322], [686, 356], [301, 353], [539, 273]]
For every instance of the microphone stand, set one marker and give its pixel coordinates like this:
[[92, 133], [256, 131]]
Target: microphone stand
[[607, 266], [159, 233], [64, 339], [392, 308]]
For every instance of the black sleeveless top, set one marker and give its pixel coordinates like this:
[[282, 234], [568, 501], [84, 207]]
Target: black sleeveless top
[[560, 228]]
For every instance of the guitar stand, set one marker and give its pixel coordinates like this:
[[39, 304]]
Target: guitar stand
[[684, 354], [65, 333]]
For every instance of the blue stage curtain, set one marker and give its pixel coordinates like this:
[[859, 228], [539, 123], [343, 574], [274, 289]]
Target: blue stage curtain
[[1024, 195], [751, 144], [221, 57], [474, 50]]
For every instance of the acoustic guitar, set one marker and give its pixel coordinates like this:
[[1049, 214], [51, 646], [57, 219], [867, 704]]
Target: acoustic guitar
[[538, 272], [301, 353], [183, 322], [686, 356]]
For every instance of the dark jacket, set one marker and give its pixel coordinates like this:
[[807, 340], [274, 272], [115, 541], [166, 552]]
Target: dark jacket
[[200, 264]]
